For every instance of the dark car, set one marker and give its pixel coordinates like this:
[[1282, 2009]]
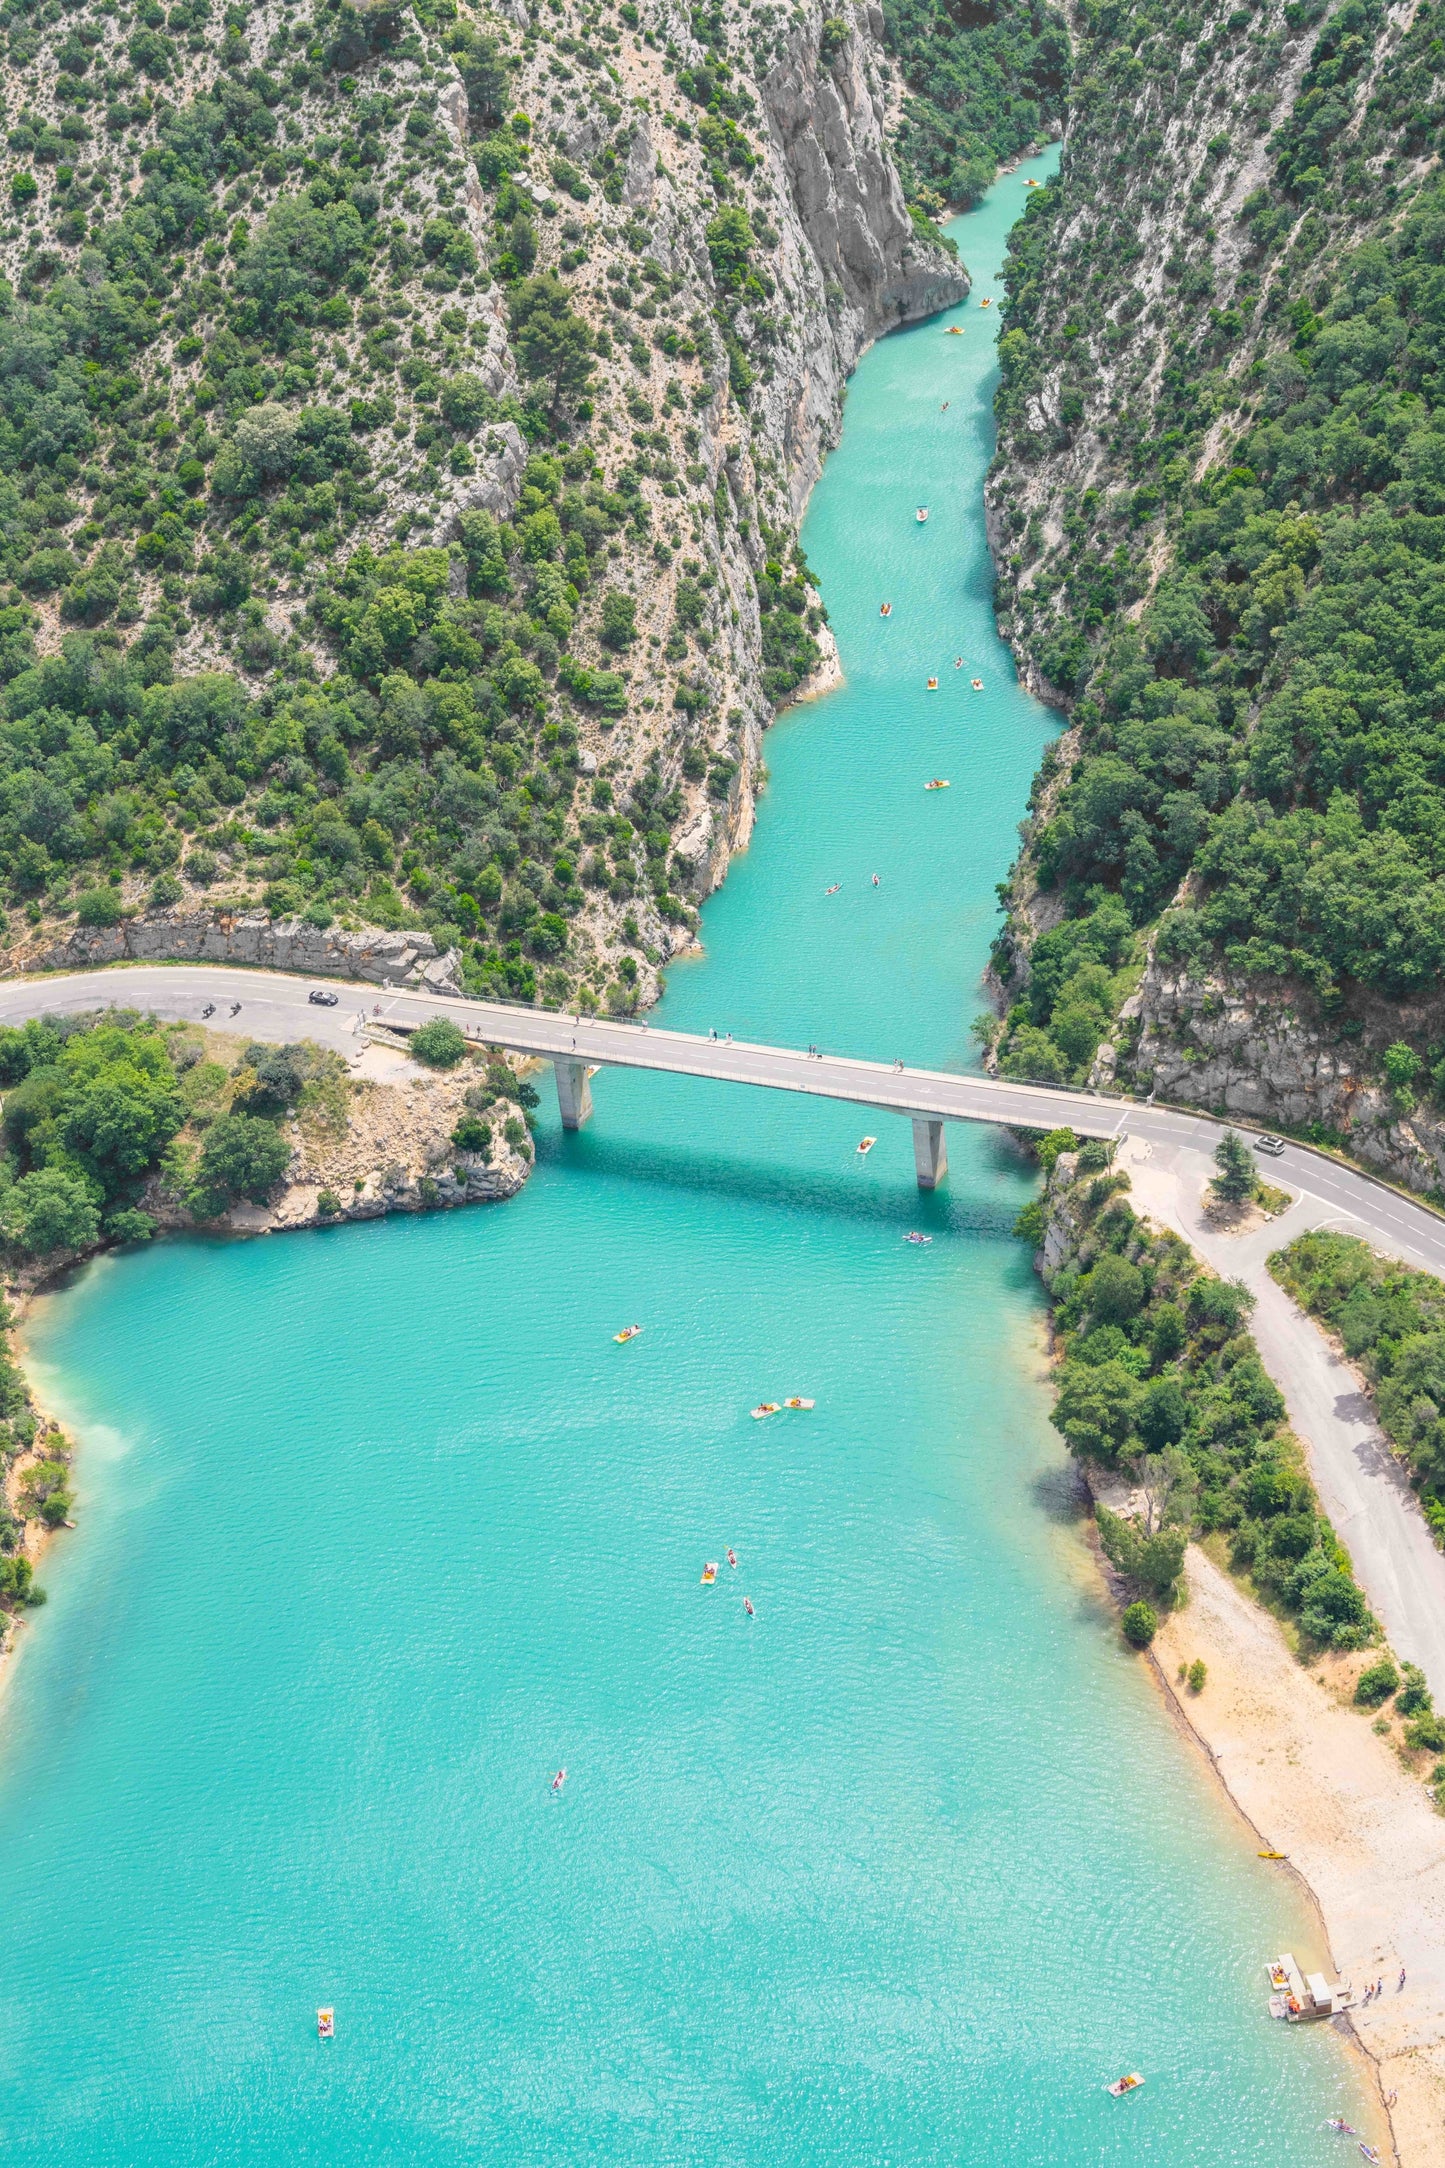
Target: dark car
[[322, 997], [1274, 1146]]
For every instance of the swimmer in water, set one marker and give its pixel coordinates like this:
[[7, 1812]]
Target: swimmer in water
[[876, 882]]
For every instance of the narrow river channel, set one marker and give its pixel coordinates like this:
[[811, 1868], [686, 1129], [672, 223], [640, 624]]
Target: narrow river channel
[[380, 1528]]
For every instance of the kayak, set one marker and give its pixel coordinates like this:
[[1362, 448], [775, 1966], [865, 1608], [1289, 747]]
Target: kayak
[[955, 331], [921, 514], [977, 684], [866, 1146], [326, 2024], [1273, 1855], [940, 782], [885, 609], [834, 889], [797, 1402], [920, 1241], [933, 685], [1129, 2083], [628, 1332], [765, 1407], [709, 1573]]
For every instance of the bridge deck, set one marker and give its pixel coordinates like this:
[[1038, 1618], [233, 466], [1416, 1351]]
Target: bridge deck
[[930, 1093]]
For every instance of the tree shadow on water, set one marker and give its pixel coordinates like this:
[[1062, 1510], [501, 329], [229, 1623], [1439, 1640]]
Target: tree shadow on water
[[1061, 1494]]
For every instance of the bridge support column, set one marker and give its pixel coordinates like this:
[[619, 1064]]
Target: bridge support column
[[930, 1153], [574, 1092]]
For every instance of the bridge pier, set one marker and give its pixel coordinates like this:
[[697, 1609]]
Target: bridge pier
[[930, 1153], [574, 1092]]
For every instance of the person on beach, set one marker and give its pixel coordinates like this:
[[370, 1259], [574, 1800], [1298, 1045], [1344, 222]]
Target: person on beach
[[1401, 1981]]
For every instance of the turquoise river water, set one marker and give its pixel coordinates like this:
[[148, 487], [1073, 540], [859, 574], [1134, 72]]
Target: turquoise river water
[[379, 1527]]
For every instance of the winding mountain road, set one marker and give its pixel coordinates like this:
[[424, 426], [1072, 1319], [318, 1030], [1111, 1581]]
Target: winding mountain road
[[1169, 1153]]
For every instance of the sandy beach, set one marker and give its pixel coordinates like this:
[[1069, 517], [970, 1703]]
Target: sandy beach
[[1315, 1781]]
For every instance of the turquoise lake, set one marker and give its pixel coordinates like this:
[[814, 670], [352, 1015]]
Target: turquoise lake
[[378, 1528]]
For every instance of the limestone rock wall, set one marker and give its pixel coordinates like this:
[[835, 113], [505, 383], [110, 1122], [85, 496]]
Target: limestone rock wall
[[1267, 1053], [864, 265], [218, 937]]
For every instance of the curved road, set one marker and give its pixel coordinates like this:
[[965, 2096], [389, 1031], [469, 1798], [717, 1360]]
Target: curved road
[[1170, 1152]]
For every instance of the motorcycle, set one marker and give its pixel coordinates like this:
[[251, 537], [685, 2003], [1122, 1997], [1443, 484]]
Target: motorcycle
[[209, 1009]]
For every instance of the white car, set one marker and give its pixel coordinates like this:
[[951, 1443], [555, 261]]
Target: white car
[[1272, 1146]]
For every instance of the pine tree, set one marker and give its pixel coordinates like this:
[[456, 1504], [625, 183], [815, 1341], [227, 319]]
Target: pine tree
[[1235, 1181]]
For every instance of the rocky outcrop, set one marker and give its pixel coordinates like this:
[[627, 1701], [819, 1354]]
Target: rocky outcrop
[[250, 937], [828, 119], [394, 1153], [1266, 1052], [853, 262]]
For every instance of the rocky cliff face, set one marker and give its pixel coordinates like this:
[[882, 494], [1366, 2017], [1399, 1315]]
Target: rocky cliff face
[[1269, 1053], [854, 263], [220, 937]]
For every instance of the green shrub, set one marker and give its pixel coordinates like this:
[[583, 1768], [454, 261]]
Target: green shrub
[[1376, 1684], [50, 1210], [1425, 1734], [99, 907], [1415, 1698], [1140, 1624], [1115, 1290], [1029, 1226], [242, 1156], [619, 619], [1198, 1673], [439, 1043]]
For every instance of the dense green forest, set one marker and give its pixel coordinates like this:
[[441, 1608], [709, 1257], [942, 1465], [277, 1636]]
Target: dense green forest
[[1160, 1376], [984, 79], [1244, 605]]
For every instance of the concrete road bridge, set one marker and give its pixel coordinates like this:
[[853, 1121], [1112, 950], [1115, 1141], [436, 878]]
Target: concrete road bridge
[[1168, 1152], [276, 1005]]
